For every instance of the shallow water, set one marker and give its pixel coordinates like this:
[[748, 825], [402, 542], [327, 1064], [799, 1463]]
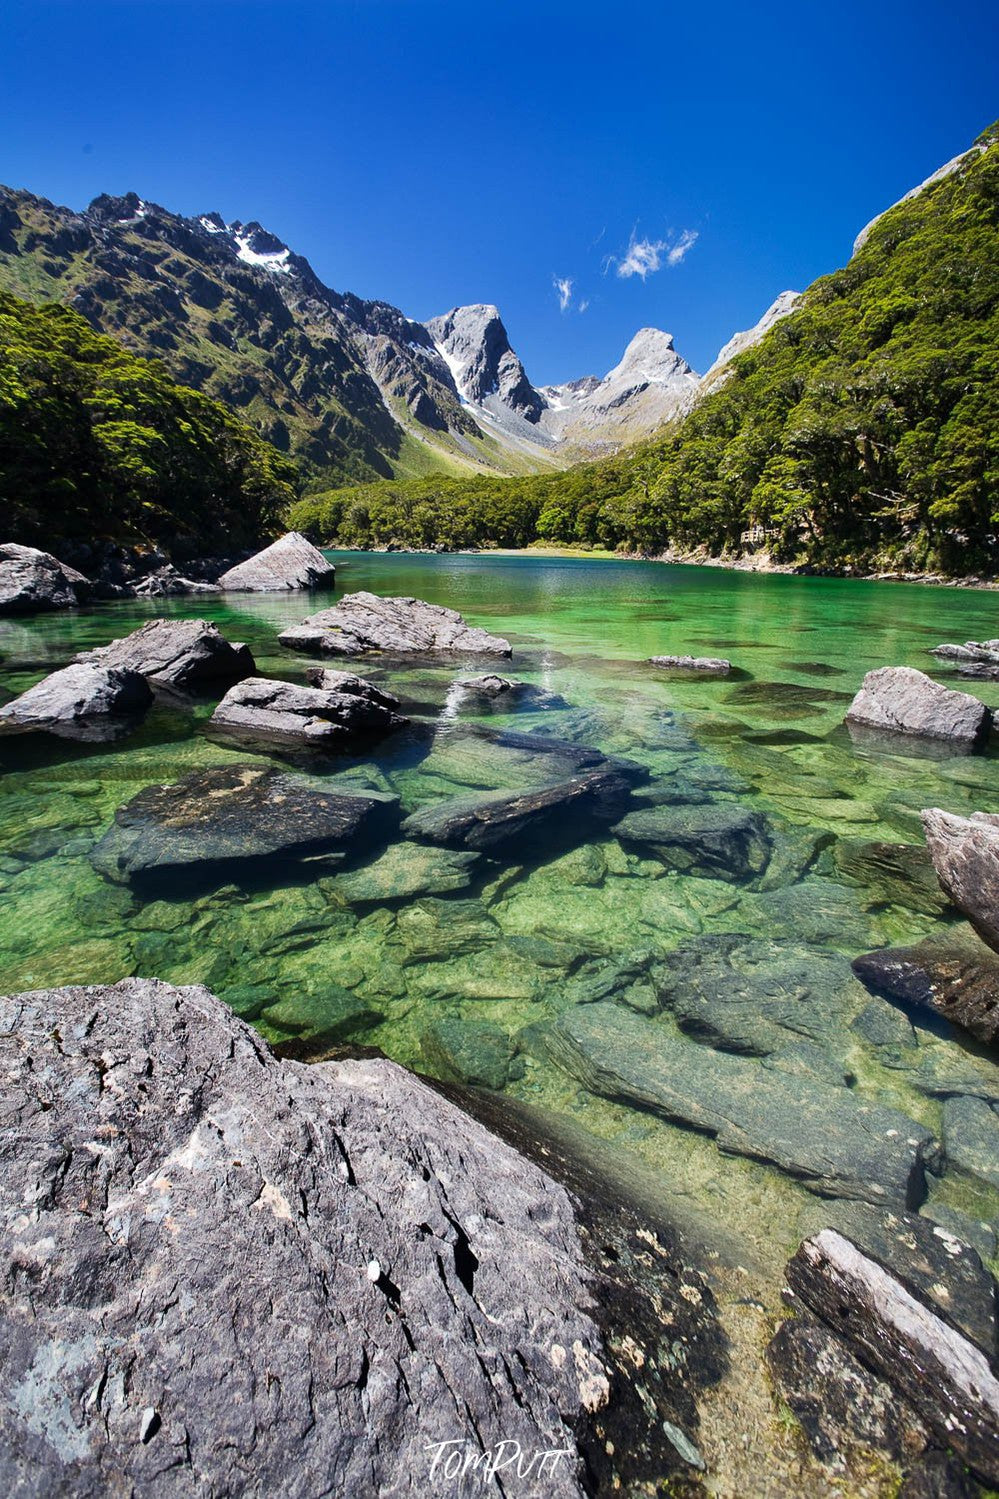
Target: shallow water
[[469, 980]]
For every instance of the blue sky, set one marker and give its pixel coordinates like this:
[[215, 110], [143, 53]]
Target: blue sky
[[680, 165]]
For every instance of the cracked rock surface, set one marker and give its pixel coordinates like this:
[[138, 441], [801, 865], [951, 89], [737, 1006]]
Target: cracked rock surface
[[229, 1274]]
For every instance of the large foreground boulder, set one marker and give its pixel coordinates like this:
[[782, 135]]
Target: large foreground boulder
[[235, 819], [364, 622], [826, 1136], [32, 581], [965, 854], [336, 718], [290, 562], [953, 976], [184, 653], [947, 1378], [525, 822], [227, 1274], [77, 695], [901, 700]]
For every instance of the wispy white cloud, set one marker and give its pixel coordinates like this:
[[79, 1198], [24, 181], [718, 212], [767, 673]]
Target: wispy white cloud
[[583, 305], [563, 289], [644, 257]]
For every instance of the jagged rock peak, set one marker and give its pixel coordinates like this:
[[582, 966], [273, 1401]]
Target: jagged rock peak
[[650, 359], [781, 307], [475, 346]]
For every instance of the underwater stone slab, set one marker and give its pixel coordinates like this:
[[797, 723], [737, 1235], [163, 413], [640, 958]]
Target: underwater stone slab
[[236, 1274], [32, 581], [431, 930], [320, 1020], [469, 1051], [404, 870], [902, 700], [971, 1138], [176, 653], [491, 692], [525, 822], [946, 1378], [899, 874], [715, 666], [955, 976], [724, 841], [232, 817], [965, 854], [364, 622], [840, 1404], [827, 1137], [78, 693], [289, 563], [326, 717]]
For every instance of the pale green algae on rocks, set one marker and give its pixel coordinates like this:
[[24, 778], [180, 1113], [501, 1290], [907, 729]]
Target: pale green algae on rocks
[[706, 937]]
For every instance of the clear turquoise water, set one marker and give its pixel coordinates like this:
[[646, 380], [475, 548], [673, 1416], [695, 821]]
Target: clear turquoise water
[[286, 954]]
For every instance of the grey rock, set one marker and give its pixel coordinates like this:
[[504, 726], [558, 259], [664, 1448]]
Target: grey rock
[[323, 717], [526, 822], [901, 700], [972, 653], [76, 694], [331, 680], [975, 1232], [953, 976], [405, 870], [942, 1374], [488, 692], [167, 582], [264, 1269], [936, 1475], [843, 1408], [364, 622], [291, 562], [233, 819], [971, 1138], [651, 383], [965, 854], [880, 1024], [182, 653], [827, 1137], [475, 345], [715, 666], [469, 1051], [32, 581], [892, 874], [725, 841]]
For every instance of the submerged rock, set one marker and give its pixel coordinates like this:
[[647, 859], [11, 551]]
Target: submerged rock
[[899, 874], [32, 581], [266, 1269], [715, 666], [954, 976], [485, 693], [469, 1051], [364, 622], [941, 1372], [290, 562], [525, 822], [176, 653], [233, 818], [902, 700], [337, 718], [405, 870], [827, 1137], [965, 854], [724, 841], [971, 1138], [75, 696]]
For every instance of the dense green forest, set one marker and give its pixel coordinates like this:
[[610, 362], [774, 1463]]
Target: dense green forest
[[862, 431], [97, 444]]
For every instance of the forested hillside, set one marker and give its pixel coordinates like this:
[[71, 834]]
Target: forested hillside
[[97, 444], [862, 431]]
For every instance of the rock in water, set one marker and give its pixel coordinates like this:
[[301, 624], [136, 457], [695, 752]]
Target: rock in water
[[77, 694], [954, 976], [31, 581], [491, 692], [290, 562], [715, 666], [325, 717], [228, 1274], [233, 818], [332, 680], [526, 821], [942, 1373], [834, 1142], [724, 841], [176, 653], [364, 622], [167, 582], [965, 854], [901, 700]]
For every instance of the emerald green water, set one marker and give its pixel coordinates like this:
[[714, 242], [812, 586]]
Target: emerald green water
[[311, 959]]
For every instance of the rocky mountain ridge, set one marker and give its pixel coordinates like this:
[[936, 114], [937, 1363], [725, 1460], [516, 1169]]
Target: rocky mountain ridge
[[349, 386]]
